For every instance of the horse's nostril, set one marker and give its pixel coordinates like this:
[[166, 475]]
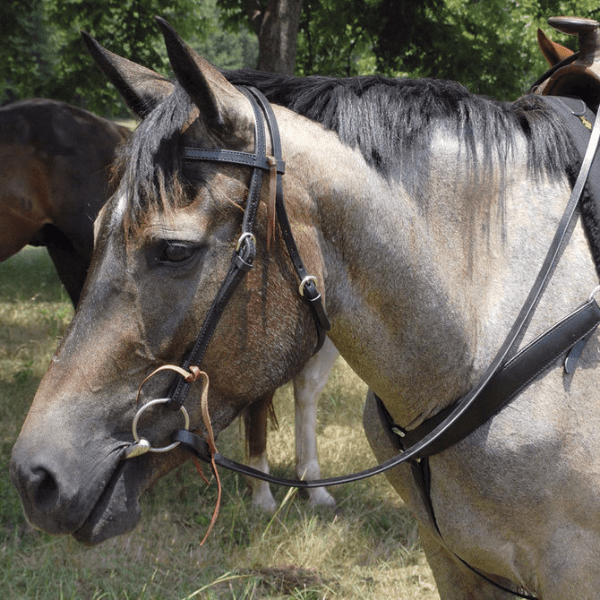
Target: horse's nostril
[[46, 491]]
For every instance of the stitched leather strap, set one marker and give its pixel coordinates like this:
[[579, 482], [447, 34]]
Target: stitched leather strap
[[241, 262], [243, 258], [513, 378], [234, 157]]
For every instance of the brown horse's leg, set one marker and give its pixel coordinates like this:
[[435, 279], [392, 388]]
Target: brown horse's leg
[[255, 424]]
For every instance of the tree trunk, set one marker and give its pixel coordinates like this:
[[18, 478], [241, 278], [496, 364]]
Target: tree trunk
[[277, 29]]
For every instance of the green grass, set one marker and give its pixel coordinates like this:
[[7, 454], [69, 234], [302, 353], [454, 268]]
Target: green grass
[[367, 548]]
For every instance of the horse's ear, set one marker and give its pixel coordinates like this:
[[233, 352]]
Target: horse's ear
[[141, 88], [553, 52], [197, 76]]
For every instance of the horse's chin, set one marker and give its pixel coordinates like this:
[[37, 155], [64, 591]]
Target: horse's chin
[[117, 510]]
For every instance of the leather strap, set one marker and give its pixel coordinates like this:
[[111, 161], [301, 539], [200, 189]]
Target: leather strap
[[309, 291], [469, 409], [552, 70], [243, 258], [513, 378], [234, 157], [528, 363]]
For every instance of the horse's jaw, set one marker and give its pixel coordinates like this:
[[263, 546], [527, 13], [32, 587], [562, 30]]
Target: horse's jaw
[[117, 510]]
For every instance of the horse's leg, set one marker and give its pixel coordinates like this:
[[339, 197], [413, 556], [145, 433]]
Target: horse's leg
[[308, 385], [256, 417], [454, 580]]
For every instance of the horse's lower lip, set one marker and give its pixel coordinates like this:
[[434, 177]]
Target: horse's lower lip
[[115, 512]]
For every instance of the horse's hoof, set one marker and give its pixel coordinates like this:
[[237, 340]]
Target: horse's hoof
[[321, 497]]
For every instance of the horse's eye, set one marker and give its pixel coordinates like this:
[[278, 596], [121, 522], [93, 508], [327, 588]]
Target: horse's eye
[[176, 253]]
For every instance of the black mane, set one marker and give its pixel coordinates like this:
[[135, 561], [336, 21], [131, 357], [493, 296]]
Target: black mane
[[391, 122]]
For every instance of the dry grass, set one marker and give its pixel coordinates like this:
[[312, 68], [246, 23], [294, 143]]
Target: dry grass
[[367, 548]]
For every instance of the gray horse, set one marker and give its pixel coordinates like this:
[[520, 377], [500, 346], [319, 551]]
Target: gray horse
[[424, 213]]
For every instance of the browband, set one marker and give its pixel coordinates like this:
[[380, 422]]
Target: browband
[[235, 157]]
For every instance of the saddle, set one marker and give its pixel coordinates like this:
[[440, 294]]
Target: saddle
[[576, 75]]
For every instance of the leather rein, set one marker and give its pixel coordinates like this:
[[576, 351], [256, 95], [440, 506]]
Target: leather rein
[[508, 374], [451, 425]]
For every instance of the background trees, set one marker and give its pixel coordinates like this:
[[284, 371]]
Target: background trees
[[489, 45]]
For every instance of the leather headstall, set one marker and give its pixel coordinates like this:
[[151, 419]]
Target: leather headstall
[[245, 253], [514, 370]]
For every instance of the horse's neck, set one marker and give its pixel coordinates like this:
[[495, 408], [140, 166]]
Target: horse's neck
[[421, 292]]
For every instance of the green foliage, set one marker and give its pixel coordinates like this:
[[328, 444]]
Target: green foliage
[[488, 45], [26, 63], [48, 58], [336, 38], [225, 42], [126, 28]]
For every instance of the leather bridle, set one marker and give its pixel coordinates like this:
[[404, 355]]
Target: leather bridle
[[243, 258], [509, 371], [245, 252]]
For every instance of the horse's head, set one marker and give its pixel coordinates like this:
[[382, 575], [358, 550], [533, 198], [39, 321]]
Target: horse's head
[[163, 248]]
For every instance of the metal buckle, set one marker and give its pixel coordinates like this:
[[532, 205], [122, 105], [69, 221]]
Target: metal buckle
[[142, 445], [306, 280], [243, 237]]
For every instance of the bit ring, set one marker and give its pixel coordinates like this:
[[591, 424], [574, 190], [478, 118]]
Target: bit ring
[[134, 431]]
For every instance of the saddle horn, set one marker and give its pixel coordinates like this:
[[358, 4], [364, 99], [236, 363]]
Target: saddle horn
[[581, 78]]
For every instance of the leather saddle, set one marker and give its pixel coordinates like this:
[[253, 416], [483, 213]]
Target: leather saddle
[[577, 74]]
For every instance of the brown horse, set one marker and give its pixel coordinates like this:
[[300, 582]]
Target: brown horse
[[424, 214], [553, 51], [54, 171]]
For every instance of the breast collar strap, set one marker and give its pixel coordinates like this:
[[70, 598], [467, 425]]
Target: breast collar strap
[[245, 253]]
